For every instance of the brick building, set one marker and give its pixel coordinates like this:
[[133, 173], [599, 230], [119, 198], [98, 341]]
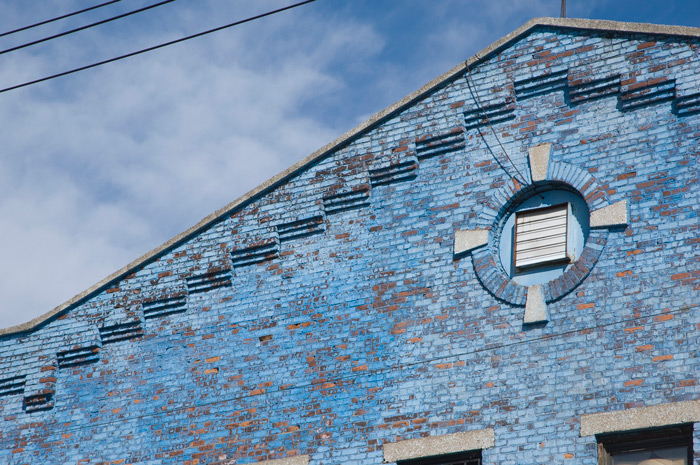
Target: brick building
[[501, 268]]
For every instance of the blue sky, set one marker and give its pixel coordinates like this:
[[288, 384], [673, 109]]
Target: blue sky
[[101, 166]]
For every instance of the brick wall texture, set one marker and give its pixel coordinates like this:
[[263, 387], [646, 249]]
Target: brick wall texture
[[329, 316]]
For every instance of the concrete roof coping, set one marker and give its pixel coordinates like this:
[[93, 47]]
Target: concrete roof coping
[[349, 136]]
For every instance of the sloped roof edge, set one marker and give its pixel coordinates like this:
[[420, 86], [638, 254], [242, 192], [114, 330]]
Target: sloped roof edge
[[349, 136]]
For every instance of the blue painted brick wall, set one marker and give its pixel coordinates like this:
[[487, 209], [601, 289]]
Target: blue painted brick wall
[[358, 326]]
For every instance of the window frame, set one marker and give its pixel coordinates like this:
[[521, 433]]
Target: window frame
[[610, 444], [472, 457]]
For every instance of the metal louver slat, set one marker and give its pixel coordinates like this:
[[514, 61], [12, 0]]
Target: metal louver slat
[[542, 226], [541, 236], [551, 236]]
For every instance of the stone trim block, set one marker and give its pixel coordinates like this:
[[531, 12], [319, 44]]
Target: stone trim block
[[642, 417], [470, 239], [616, 214], [439, 445], [539, 161], [535, 306], [296, 460]]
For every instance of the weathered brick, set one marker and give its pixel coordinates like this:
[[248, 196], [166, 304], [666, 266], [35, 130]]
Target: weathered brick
[[282, 330]]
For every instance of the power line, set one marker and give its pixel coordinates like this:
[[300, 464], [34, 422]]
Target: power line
[[24, 28], [82, 28], [480, 107], [156, 47]]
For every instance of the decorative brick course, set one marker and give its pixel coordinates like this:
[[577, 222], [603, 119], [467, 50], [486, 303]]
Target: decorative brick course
[[327, 316]]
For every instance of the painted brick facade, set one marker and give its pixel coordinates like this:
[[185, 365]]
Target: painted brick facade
[[328, 315]]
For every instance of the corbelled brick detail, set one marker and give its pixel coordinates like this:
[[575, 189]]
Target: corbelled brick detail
[[326, 316]]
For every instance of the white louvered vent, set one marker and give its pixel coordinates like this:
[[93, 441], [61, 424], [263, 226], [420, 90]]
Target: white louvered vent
[[542, 236]]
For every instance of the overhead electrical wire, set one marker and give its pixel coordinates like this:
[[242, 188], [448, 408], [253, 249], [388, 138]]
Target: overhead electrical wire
[[87, 26], [58, 18], [480, 107], [155, 47]]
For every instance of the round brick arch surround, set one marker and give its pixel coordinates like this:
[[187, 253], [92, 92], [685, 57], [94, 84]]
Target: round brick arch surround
[[501, 203]]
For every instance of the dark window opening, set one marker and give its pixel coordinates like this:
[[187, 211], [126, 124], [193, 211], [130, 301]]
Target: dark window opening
[[461, 458], [659, 446]]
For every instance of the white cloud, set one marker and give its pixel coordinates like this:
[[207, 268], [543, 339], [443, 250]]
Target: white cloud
[[106, 164]]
